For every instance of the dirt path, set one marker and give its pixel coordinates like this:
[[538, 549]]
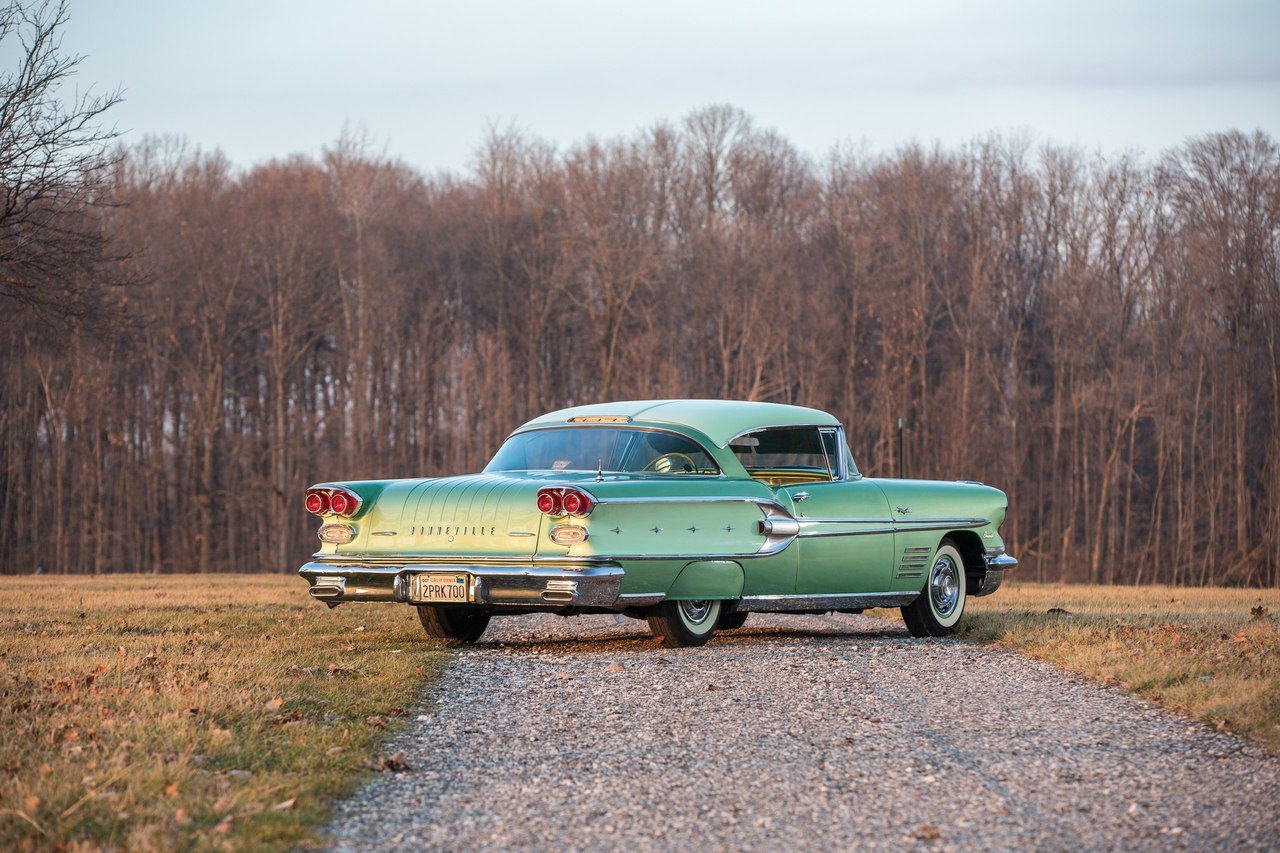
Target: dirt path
[[798, 733]]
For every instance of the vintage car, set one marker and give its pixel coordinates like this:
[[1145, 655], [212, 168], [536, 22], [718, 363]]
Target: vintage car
[[690, 514]]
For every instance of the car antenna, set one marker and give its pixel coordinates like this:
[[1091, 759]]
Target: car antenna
[[599, 469]]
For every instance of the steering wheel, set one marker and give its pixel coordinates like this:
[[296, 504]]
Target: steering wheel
[[665, 464]]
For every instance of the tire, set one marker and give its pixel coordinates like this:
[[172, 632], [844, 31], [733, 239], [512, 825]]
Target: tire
[[680, 624], [937, 610], [456, 624], [731, 620]]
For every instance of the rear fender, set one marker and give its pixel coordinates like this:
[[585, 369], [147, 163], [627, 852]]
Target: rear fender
[[707, 579]]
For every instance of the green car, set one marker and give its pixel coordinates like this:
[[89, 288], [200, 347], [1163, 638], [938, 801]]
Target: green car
[[690, 514]]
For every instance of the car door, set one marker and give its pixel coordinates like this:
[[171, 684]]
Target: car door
[[846, 532]]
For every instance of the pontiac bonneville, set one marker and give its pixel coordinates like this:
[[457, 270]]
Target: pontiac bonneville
[[690, 514]]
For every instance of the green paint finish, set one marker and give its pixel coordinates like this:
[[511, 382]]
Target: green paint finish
[[684, 535], [708, 579]]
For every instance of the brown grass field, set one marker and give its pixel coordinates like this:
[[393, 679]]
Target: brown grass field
[[227, 712], [1213, 654], [162, 712]]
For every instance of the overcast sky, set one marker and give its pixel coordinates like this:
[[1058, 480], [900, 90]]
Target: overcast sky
[[268, 78]]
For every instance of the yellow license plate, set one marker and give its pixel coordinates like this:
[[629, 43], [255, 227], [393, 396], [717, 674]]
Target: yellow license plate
[[437, 587]]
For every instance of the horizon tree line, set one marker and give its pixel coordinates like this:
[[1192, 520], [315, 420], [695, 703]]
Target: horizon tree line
[[187, 345]]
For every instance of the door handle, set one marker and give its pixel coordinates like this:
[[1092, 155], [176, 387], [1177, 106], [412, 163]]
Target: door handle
[[800, 496]]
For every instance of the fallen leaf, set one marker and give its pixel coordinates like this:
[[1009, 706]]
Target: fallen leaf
[[284, 805], [172, 789], [377, 721], [181, 817], [394, 763], [30, 803], [617, 667], [224, 826], [927, 832], [274, 704], [334, 750], [358, 629]]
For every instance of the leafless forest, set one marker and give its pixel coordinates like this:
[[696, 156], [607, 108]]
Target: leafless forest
[[1096, 336], [187, 345]]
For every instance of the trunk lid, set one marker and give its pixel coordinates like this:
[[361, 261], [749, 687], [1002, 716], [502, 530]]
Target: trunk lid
[[479, 515]]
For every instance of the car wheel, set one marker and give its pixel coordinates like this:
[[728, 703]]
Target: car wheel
[[452, 623], [684, 623], [731, 620], [937, 610]]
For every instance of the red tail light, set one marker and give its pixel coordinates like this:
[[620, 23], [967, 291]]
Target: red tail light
[[564, 502], [341, 503], [575, 502], [317, 502], [332, 500], [549, 501]]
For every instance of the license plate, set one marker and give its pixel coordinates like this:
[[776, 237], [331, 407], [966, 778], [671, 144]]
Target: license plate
[[439, 587]]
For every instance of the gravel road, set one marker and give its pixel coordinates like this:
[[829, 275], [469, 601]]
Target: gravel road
[[797, 732]]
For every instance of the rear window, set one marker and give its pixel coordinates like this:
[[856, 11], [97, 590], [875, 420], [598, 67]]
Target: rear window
[[600, 448]]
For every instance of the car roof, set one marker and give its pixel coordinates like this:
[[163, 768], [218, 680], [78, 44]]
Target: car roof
[[719, 420]]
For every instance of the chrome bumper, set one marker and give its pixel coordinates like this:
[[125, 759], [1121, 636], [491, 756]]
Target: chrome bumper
[[521, 586], [998, 562]]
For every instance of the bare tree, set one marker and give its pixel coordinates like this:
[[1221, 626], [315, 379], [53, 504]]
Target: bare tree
[[54, 159]]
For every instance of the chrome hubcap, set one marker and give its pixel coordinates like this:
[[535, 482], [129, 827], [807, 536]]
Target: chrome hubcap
[[944, 587], [695, 611]]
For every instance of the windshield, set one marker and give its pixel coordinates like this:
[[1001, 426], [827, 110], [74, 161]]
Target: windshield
[[594, 448]]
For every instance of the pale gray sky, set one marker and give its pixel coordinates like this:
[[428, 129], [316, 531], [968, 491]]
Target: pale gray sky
[[268, 78]]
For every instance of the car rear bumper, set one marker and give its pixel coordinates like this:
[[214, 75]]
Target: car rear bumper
[[512, 586]]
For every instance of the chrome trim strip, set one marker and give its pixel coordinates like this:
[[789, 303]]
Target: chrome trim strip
[[383, 533], [416, 560], [815, 534], [637, 599], [694, 499], [805, 518], [914, 523], [783, 603], [907, 523]]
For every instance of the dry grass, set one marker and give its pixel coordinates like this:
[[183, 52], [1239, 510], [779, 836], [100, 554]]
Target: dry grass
[[210, 712], [1212, 653]]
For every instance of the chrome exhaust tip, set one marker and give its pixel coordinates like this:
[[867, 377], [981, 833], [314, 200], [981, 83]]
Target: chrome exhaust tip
[[328, 587]]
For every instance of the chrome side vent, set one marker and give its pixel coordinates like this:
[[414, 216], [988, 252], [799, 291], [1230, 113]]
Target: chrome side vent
[[914, 561]]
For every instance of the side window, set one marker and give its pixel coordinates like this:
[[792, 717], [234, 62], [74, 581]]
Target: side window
[[784, 456]]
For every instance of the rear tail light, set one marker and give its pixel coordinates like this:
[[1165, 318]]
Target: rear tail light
[[332, 501], [564, 502], [549, 501], [340, 503], [576, 502]]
